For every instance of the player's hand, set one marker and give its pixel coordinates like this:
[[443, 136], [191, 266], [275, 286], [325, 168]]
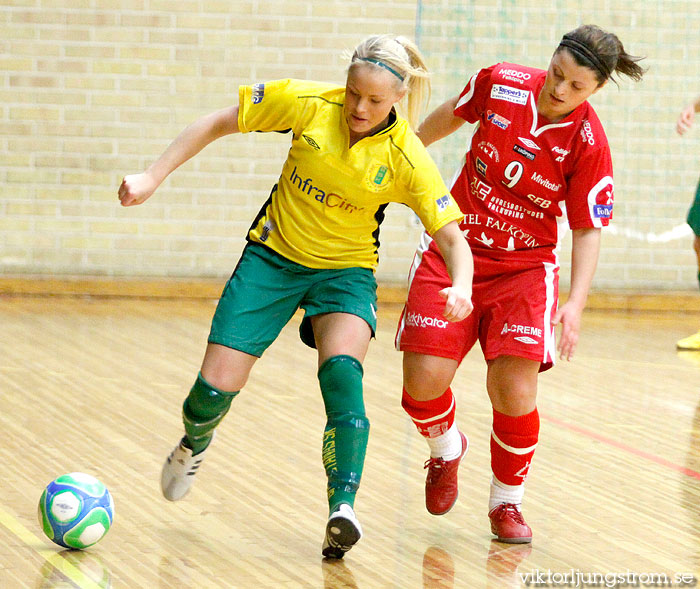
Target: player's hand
[[136, 188], [459, 303], [686, 119], [569, 316]]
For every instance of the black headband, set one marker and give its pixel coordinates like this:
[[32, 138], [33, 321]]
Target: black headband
[[583, 49]]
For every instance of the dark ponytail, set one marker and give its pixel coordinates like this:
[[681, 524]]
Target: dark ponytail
[[602, 52]]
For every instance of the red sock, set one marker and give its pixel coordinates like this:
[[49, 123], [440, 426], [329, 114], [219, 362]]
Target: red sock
[[432, 418], [513, 443]]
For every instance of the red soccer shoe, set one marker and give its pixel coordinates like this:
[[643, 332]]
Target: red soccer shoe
[[441, 484], [508, 524]]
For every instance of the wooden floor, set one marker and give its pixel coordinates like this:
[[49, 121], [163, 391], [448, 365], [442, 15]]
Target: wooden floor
[[96, 385]]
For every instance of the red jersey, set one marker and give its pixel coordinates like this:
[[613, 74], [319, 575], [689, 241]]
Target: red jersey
[[524, 177]]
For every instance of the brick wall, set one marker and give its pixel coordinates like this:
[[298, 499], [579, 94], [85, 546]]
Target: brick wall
[[647, 248], [95, 89]]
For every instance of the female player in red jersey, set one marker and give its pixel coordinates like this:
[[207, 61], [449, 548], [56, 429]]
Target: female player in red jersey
[[538, 159]]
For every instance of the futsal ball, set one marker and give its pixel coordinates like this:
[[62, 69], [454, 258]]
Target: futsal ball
[[76, 510]]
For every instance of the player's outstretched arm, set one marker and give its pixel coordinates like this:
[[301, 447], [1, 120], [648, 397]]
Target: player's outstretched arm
[[585, 247], [460, 266], [440, 123], [136, 188]]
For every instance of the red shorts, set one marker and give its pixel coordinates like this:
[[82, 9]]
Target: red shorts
[[513, 306]]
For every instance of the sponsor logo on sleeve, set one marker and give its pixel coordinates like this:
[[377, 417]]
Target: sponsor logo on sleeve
[[509, 94], [443, 202], [258, 93], [587, 133], [602, 198], [602, 211]]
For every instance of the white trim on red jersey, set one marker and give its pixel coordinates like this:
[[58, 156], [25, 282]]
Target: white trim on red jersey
[[467, 96], [534, 131], [550, 352]]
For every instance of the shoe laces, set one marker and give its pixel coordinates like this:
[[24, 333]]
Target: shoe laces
[[509, 510], [437, 467]]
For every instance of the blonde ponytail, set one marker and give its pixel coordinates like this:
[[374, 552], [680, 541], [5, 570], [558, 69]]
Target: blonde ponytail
[[401, 57]]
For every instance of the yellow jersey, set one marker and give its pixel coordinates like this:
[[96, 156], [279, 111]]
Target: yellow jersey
[[329, 201]]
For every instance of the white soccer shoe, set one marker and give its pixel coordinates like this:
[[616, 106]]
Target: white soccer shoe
[[179, 469], [343, 531]]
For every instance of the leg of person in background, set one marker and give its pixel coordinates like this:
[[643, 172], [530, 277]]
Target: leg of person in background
[[429, 402], [692, 342], [512, 386]]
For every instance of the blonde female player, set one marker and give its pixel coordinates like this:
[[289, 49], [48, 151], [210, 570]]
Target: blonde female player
[[538, 158], [314, 246]]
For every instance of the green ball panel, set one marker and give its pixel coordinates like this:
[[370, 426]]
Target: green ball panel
[[87, 483], [90, 529], [43, 520]]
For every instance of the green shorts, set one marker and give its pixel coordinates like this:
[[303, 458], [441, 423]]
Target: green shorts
[[266, 289], [694, 213]]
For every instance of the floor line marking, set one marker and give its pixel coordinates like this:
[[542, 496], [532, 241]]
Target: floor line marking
[[621, 446], [52, 557]]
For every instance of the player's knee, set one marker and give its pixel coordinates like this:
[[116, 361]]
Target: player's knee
[[203, 410], [226, 369], [512, 397], [206, 404], [340, 379], [421, 388], [427, 377]]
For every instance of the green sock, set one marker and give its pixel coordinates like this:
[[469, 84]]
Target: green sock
[[347, 428], [202, 411]]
